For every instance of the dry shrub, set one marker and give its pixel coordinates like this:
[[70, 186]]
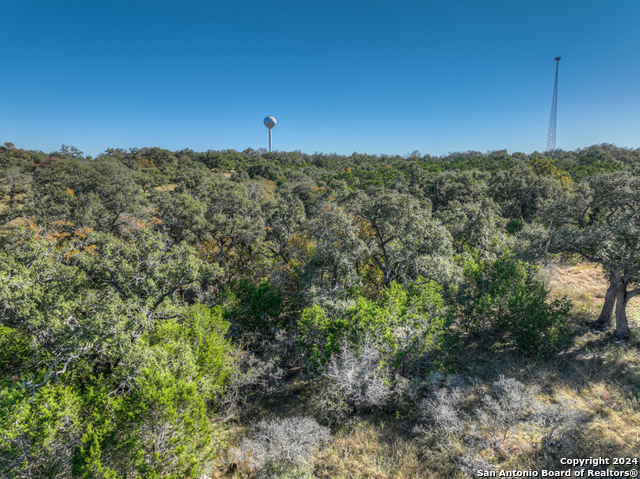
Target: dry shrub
[[445, 410], [279, 444], [510, 413], [358, 379], [361, 377]]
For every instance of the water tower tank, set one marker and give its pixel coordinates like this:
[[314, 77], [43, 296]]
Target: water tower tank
[[270, 122]]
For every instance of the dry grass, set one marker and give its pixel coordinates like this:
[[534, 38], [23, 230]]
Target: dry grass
[[167, 187], [4, 205], [599, 378], [378, 450], [585, 285], [381, 448], [225, 173], [18, 222], [367, 448]]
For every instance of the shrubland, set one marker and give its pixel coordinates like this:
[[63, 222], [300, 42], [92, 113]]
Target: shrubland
[[253, 314]]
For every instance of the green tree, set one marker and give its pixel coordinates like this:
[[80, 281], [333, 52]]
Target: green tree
[[443, 188], [478, 225], [92, 297], [97, 194], [506, 300], [10, 155], [15, 182], [402, 236], [601, 223], [284, 218], [336, 250], [523, 194], [109, 368], [179, 216], [233, 229], [150, 178]]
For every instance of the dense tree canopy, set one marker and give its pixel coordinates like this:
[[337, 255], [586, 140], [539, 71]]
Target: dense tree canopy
[[148, 295]]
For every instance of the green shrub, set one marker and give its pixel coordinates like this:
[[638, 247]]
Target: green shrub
[[259, 306], [37, 437], [160, 430], [508, 300], [408, 321], [196, 341], [16, 352], [149, 418]]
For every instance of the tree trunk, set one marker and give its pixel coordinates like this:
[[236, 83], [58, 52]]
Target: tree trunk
[[622, 327], [607, 309]]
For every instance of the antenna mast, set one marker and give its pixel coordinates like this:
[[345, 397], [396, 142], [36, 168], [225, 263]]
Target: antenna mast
[[551, 135]]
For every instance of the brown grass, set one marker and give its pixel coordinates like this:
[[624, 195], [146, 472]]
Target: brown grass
[[225, 173], [167, 187], [585, 285], [377, 450], [4, 205]]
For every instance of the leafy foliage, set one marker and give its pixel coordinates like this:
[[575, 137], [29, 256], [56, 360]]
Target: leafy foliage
[[148, 297], [259, 306], [506, 299], [407, 322]]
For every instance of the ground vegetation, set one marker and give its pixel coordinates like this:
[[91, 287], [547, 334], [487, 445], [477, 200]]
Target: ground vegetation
[[280, 314]]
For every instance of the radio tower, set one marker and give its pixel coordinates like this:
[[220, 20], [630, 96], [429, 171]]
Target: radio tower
[[551, 135]]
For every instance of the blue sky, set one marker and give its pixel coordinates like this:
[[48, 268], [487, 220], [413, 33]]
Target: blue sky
[[339, 76]]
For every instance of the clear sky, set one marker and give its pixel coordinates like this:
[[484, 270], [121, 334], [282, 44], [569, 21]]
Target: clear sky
[[339, 76]]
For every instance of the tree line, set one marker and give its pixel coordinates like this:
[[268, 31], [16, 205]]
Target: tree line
[[148, 295]]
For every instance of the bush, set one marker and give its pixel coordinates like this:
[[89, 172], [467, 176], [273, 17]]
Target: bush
[[492, 422], [37, 439], [511, 403], [508, 300], [259, 306], [407, 323], [196, 341], [253, 374], [148, 418], [356, 378], [445, 411], [281, 442], [162, 426], [16, 353], [160, 429]]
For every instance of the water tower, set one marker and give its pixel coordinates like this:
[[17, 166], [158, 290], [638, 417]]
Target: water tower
[[270, 122]]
